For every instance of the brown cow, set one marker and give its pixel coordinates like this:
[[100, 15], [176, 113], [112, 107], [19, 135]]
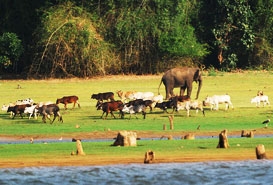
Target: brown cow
[[68, 99], [107, 107], [18, 109]]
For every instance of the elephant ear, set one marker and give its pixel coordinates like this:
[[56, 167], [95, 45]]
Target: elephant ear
[[197, 75]]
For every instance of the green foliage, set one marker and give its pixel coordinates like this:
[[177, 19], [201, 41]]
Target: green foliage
[[233, 30], [11, 49], [70, 45]]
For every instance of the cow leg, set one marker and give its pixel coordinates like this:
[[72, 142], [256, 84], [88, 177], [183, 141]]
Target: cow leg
[[112, 114], [65, 106], [78, 104], [102, 114], [144, 114], [55, 115]]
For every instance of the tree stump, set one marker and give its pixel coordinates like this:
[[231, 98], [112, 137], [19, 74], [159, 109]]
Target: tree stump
[[164, 126], [223, 140], [171, 122], [260, 152], [247, 134], [79, 148], [126, 138], [149, 157], [189, 136]]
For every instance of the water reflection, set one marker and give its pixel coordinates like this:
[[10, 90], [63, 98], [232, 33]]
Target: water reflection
[[242, 172]]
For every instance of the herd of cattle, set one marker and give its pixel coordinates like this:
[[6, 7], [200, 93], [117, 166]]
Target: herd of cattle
[[130, 102], [46, 109]]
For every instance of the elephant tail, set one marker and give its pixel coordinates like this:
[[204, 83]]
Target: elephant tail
[[159, 86]]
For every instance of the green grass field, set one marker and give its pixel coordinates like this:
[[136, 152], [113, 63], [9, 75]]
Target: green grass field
[[240, 86]]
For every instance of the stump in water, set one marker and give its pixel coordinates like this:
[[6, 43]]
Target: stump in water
[[189, 136], [247, 134], [260, 152], [126, 138], [223, 140], [79, 148], [149, 157], [171, 122]]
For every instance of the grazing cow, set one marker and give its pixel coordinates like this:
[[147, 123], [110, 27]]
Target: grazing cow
[[143, 95], [125, 95], [107, 107], [103, 96], [18, 109], [215, 100], [258, 99], [47, 110], [134, 109], [165, 105], [68, 99]]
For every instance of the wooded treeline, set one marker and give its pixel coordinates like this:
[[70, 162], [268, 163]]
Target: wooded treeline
[[60, 38]]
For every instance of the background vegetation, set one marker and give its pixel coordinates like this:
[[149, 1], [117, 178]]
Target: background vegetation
[[58, 39]]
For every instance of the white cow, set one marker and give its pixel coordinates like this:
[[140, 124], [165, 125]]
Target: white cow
[[258, 99], [185, 105], [215, 100], [135, 109], [31, 111], [191, 104], [143, 95]]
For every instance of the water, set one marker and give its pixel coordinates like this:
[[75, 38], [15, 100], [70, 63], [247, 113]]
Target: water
[[231, 172]]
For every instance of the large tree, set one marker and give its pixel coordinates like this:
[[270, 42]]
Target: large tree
[[68, 44]]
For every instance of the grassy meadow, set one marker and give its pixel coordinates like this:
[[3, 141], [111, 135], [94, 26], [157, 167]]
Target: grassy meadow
[[240, 86]]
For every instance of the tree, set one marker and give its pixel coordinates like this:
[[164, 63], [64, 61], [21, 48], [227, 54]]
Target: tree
[[147, 32], [11, 49], [68, 45], [262, 56], [233, 32]]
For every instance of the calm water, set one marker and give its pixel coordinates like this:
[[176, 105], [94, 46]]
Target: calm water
[[243, 172]]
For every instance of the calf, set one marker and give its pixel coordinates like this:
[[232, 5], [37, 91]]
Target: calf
[[68, 99], [18, 109], [47, 110], [134, 109], [103, 96], [107, 107], [215, 100], [166, 105], [261, 98]]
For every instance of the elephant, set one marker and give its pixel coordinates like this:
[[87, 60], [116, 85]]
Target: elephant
[[182, 77]]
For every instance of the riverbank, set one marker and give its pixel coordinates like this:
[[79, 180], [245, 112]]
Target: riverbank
[[201, 154]]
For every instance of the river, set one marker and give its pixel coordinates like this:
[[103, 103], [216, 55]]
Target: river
[[228, 172]]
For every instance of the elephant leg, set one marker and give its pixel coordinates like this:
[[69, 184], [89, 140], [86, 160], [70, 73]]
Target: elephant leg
[[182, 90], [189, 89]]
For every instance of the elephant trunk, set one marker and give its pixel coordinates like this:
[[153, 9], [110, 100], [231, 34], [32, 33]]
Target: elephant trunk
[[199, 88]]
